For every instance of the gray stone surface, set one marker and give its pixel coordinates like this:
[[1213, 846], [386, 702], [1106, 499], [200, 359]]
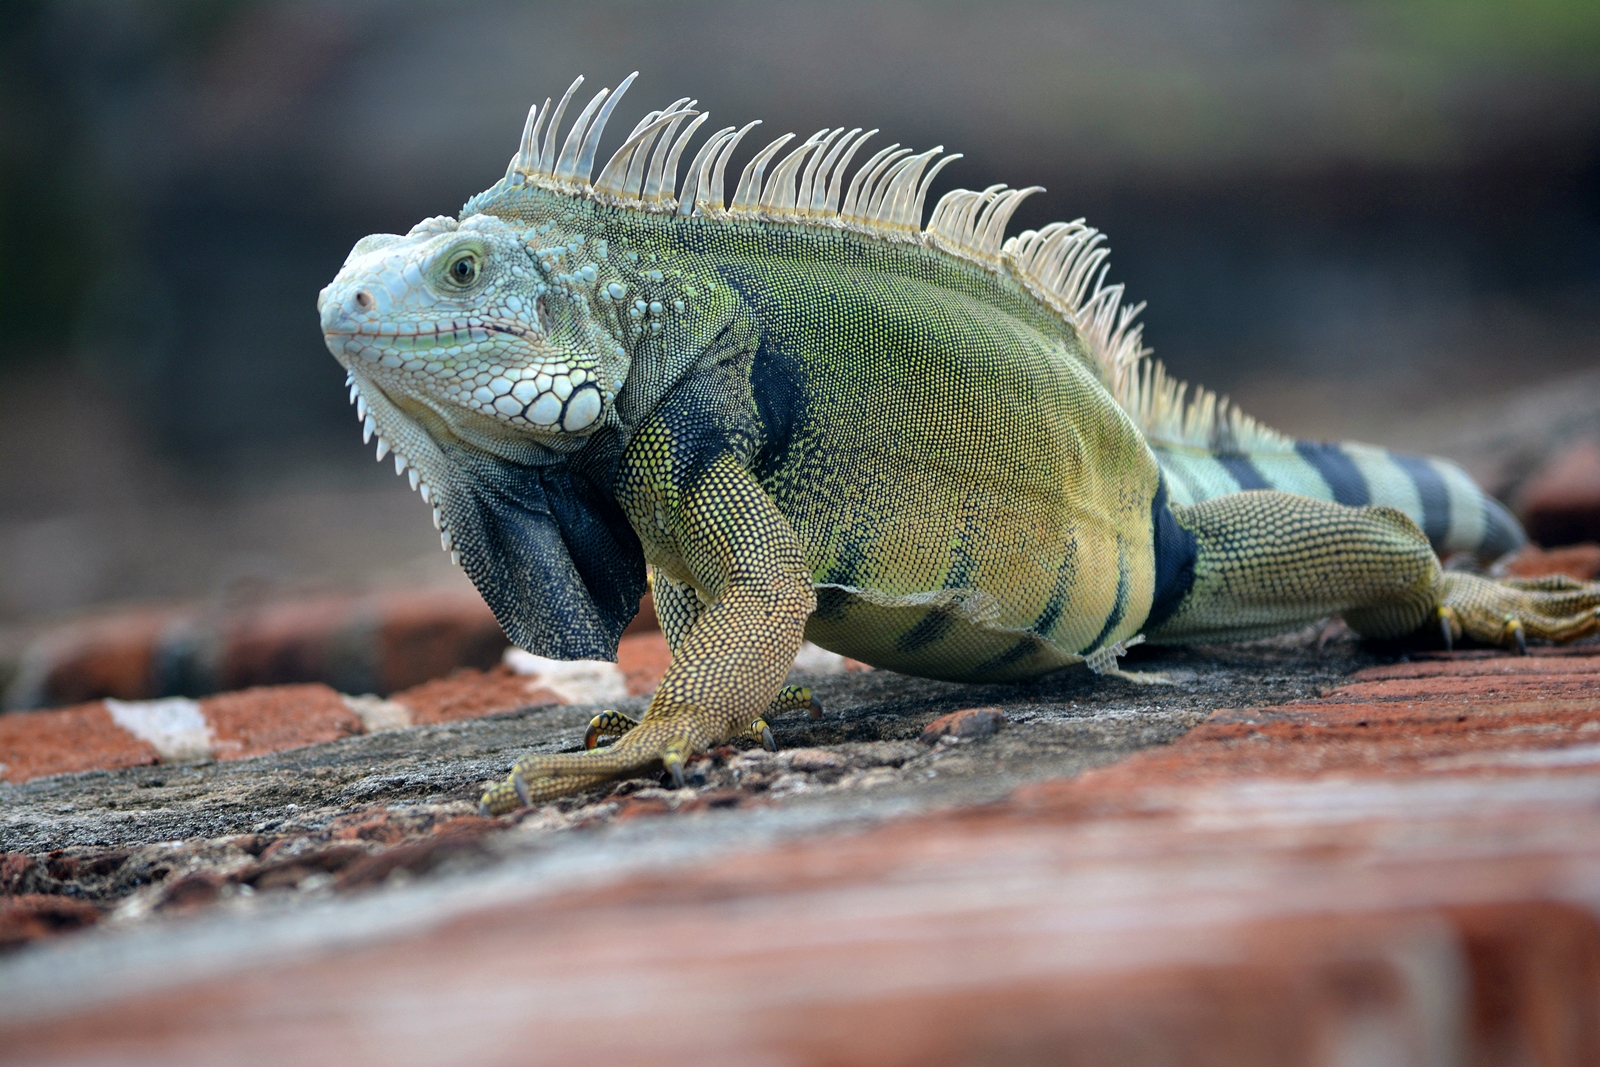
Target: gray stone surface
[[862, 754], [208, 868]]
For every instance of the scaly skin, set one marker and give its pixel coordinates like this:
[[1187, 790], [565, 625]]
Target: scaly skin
[[901, 446]]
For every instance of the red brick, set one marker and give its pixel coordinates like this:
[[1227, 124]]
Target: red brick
[[471, 694], [1584, 660], [1561, 503], [112, 656], [427, 635], [643, 659], [1534, 970], [83, 738], [253, 722], [966, 723], [1576, 561], [35, 916], [288, 641]]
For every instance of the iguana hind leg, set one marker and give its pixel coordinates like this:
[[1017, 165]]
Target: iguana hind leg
[[1266, 562]]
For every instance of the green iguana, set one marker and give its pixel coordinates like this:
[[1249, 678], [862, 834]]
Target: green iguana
[[930, 448]]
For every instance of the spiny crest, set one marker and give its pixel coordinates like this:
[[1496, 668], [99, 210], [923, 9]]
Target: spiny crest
[[1062, 265], [1155, 401]]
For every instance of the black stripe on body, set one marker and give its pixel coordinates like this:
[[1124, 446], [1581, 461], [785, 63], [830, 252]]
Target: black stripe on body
[[1175, 551], [1011, 656], [1238, 465], [1349, 485], [850, 557], [1432, 491], [1119, 606], [1066, 573], [932, 626], [778, 387], [832, 604]]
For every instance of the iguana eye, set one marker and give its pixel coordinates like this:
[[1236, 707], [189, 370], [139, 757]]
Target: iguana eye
[[463, 270]]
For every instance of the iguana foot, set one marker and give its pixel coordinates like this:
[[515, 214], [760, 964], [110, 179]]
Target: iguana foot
[[789, 698], [1509, 611], [661, 740]]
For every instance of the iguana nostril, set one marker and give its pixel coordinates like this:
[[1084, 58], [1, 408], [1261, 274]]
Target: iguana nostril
[[363, 300]]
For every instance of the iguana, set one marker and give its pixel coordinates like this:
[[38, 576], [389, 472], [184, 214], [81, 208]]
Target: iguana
[[929, 447]]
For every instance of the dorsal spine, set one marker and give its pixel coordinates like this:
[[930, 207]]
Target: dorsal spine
[[1062, 265]]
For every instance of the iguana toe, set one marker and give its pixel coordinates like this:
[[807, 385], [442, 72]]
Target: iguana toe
[[672, 759], [795, 698], [607, 724], [760, 731]]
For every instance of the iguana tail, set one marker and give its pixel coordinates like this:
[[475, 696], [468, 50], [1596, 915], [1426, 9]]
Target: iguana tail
[[1208, 449]]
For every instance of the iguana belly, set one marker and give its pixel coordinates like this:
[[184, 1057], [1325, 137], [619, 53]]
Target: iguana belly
[[972, 505]]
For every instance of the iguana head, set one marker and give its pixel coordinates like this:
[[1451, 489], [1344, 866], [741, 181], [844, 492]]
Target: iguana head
[[487, 354], [460, 318]]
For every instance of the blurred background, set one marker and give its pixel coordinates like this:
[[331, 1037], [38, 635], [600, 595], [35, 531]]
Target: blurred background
[[1369, 219]]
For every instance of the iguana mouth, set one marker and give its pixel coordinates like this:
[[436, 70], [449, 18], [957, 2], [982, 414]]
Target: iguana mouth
[[448, 330]]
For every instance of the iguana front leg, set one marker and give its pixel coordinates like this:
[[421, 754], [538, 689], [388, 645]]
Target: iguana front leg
[[677, 607], [1266, 562], [729, 536]]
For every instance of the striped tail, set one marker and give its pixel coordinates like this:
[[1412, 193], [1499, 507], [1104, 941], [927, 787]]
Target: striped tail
[[1207, 448], [1456, 515]]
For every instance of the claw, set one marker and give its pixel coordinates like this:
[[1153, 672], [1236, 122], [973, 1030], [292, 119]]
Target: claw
[[1446, 629], [814, 709], [483, 806], [674, 765], [1515, 627], [760, 731], [520, 784]]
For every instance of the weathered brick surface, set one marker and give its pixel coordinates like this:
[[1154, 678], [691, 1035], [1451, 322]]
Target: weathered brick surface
[[467, 694], [1578, 561], [1404, 870], [991, 934], [37, 743], [272, 718]]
